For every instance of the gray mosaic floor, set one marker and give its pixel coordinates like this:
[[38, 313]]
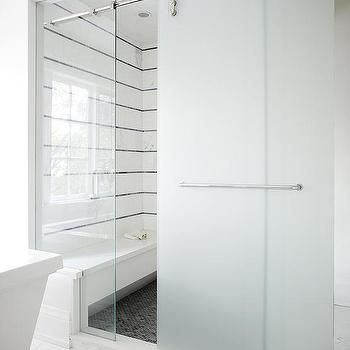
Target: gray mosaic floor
[[136, 315]]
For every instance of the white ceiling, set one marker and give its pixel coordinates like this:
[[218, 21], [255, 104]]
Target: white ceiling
[[142, 31]]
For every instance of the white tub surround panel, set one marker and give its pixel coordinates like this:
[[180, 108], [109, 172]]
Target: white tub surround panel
[[22, 286], [59, 315]]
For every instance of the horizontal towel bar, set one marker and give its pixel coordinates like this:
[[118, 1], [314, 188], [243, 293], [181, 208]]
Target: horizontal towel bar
[[296, 187]]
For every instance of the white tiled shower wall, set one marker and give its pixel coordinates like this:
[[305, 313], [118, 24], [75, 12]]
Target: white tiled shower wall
[[147, 161], [81, 53]]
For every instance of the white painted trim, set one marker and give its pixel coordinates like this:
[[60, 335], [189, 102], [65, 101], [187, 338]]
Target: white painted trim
[[72, 273], [34, 157], [75, 308], [31, 122], [54, 326], [39, 64]]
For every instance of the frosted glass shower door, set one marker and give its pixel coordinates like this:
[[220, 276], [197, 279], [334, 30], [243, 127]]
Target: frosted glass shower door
[[300, 127], [246, 97], [211, 241], [76, 132]]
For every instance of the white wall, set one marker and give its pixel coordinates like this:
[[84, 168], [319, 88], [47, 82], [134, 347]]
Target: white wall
[[342, 154], [14, 128]]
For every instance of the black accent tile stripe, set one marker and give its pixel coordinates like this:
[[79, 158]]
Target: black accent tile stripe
[[128, 216], [108, 102], [123, 195], [70, 120], [150, 48], [135, 150], [97, 74], [136, 214], [83, 174], [105, 173], [78, 68], [78, 121], [76, 227], [149, 69], [136, 109], [135, 193], [78, 147], [99, 148], [136, 172], [129, 129], [105, 30], [97, 50]]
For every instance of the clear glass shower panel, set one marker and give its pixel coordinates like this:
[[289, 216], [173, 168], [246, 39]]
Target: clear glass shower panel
[[76, 135], [136, 154]]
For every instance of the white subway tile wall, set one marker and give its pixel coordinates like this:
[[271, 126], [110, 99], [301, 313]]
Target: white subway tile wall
[[79, 129]]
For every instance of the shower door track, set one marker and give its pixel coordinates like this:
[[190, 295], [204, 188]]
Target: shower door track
[[114, 5]]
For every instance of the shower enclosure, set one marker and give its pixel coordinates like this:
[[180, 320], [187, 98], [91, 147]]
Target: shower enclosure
[[96, 154], [246, 164]]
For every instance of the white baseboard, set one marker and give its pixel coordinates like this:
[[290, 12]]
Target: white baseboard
[[54, 326]]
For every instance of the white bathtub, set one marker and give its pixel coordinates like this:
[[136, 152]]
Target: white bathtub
[[87, 281], [22, 284]]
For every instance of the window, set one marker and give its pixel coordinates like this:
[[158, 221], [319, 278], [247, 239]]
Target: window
[[80, 156]]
